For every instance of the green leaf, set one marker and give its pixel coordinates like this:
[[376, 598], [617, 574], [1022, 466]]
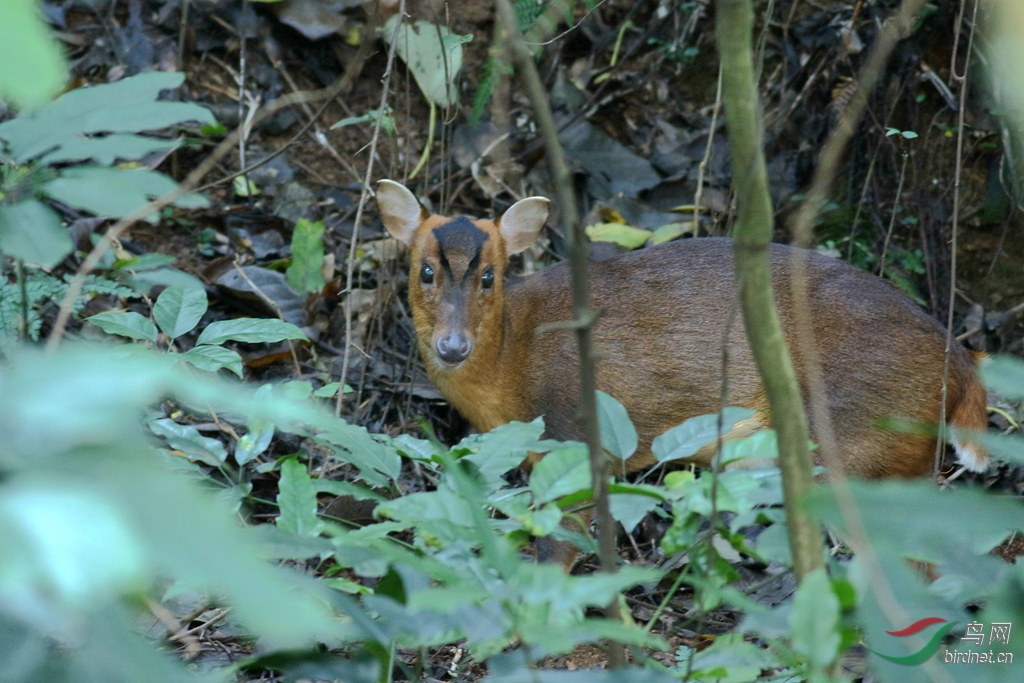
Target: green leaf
[[501, 449], [330, 389], [814, 621], [127, 106], [371, 456], [559, 473], [249, 330], [87, 547], [32, 231], [114, 192], [297, 390], [297, 500], [441, 505], [617, 233], [629, 508], [254, 441], [432, 53], [26, 42], [178, 309], [387, 122], [214, 358], [618, 435], [108, 149], [125, 324], [307, 257], [671, 231], [189, 441], [1004, 374], [688, 438], [762, 445]]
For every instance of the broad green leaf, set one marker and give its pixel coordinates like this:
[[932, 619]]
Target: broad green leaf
[[539, 522], [617, 233], [127, 106], [442, 505], [108, 149], [346, 488], [501, 449], [330, 389], [1004, 375], [254, 441], [189, 441], [671, 231], [629, 509], [814, 621], [297, 390], [26, 42], [278, 543], [559, 473], [80, 547], [214, 358], [688, 438], [259, 430], [763, 445], [125, 324], [618, 435], [773, 544], [297, 500], [249, 330], [307, 257], [178, 309], [417, 449], [432, 53], [32, 231], [372, 456], [944, 526], [115, 192]]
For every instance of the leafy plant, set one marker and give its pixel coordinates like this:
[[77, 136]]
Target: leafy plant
[[25, 41], [66, 152], [177, 312]]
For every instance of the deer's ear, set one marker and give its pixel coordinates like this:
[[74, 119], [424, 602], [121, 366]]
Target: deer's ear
[[522, 223], [400, 211]]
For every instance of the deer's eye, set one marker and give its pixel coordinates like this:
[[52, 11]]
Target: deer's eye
[[427, 274], [487, 279]]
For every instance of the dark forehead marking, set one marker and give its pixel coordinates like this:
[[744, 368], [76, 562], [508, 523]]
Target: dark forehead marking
[[460, 239]]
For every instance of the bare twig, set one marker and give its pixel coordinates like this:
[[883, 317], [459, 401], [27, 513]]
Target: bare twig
[[363, 196], [892, 219], [962, 80], [702, 168], [581, 310]]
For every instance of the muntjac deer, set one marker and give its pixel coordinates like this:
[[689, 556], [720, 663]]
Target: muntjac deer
[[663, 311]]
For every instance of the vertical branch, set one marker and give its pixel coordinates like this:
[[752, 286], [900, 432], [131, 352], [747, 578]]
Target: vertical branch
[[363, 195], [583, 316], [734, 29], [962, 79]]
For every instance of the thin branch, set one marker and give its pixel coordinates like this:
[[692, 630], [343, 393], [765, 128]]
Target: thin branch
[[582, 314], [734, 23], [962, 80], [363, 196]]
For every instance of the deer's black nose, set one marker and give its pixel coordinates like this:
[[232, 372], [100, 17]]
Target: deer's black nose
[[454, 348]]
